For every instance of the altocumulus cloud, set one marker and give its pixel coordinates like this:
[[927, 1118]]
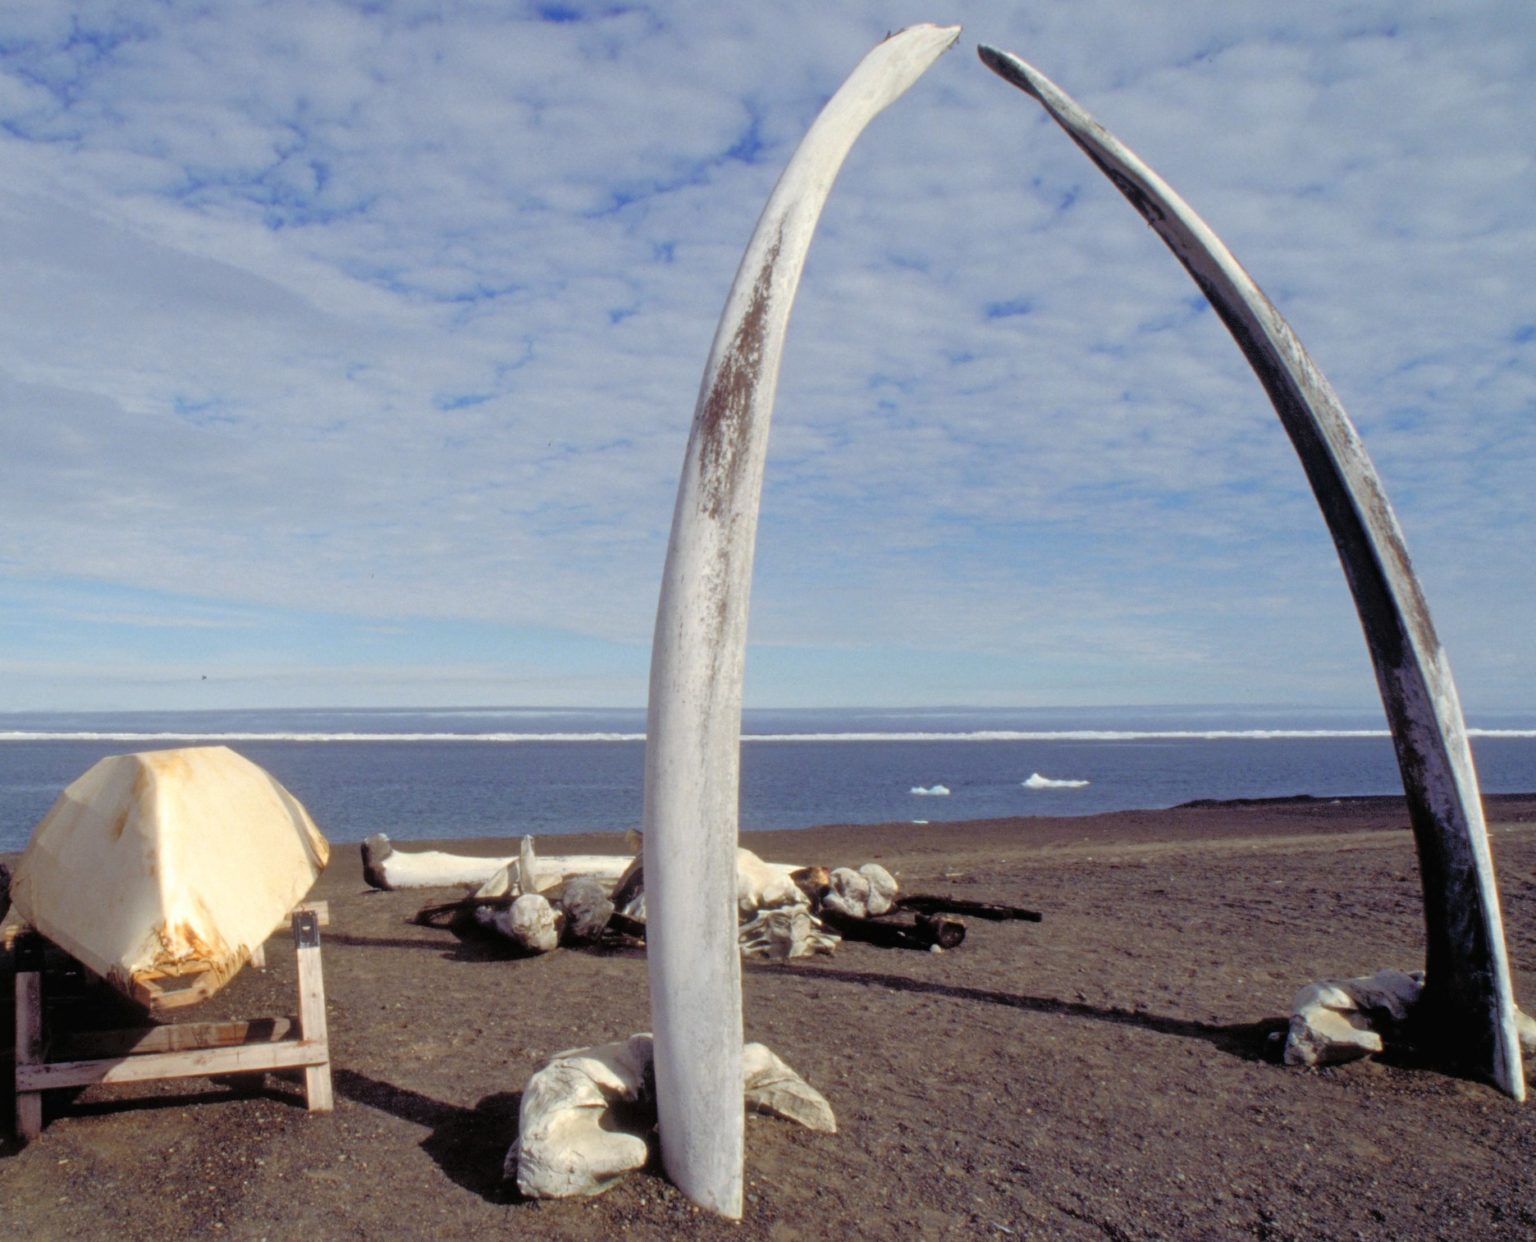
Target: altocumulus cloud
[[367, 336]]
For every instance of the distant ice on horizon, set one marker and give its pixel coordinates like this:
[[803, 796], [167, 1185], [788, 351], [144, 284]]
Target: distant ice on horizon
[[931, 791], [1036, 781]]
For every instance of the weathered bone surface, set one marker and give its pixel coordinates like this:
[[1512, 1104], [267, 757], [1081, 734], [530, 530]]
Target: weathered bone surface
[[388, 868], [772, 1087], [1525, 1027], [567, 1140], [786, 932], [586, 1113], [761, 885], [1340, 1020], [587, 909], [1469, 1003], [530, 923], [868, 892], [500, 884], [883, 889], [694, 723], [528, 878]]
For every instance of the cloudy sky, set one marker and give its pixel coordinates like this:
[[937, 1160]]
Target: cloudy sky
[[348, 349]]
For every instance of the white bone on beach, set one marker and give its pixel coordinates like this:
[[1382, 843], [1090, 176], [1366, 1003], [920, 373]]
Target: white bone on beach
[[388, 868]]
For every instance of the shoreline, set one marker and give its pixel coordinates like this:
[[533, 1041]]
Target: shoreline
[[1106, 1072], [1032, 831]]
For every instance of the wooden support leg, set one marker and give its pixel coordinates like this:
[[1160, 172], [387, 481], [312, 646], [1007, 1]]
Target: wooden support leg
[[317, 1078], [29, 1033]]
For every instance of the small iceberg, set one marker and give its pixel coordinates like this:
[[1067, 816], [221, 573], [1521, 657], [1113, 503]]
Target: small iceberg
[[1036, 781], [931, 791]]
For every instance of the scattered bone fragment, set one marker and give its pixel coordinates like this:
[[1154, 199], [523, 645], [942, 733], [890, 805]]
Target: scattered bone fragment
[[587, 909], [762, 885], [629, 888], [500, 884], [812, 881], [1525, 1028], [759, 885], [866, 893], [587, 1114], [387, 868], [847, 893], [1340, 1020], [528, 879], [772, 1087], [882, 888], [783, 933], [530, 923], [568, 1143]]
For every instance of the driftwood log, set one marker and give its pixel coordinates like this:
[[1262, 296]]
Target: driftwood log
[[459, 915], [922, 903], [924, 932]]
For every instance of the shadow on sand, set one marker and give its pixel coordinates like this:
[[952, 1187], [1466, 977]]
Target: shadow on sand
[[468, 1144], [1248, 1041]]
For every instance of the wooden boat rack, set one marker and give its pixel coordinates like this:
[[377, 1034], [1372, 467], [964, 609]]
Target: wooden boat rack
[[172, 1050]]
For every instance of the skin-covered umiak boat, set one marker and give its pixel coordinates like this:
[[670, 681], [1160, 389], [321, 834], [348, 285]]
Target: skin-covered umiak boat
[[694, 726], [162, 871], [1468, 1007]]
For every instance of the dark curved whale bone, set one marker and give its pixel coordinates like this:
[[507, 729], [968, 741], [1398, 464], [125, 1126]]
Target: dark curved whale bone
[[1468, 1003]]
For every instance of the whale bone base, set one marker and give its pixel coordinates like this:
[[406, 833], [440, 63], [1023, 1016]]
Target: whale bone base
[[1338, 1020], [587, 1113]]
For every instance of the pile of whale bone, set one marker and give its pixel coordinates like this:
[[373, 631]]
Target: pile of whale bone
[[587, 1114], [1338, 1020], [784, 910]]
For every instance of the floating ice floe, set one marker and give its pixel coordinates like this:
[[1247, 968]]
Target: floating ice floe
[[1036, 781], [931, 791]]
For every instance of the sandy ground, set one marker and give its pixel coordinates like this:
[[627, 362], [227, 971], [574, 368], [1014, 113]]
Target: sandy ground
[[1105, 1073]]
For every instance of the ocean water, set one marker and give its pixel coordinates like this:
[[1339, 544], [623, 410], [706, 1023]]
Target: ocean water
[[424, 775]]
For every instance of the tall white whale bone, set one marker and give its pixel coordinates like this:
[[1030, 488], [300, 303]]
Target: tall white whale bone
[[694, 724], [1468, 1006]]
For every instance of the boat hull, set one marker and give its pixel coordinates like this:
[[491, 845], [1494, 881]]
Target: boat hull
[[162, 871]]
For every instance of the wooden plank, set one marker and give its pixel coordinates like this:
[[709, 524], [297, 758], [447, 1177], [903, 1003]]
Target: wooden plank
[[151, 990], [317, 1077], [180, 1037], [29, 1051], [250, 1058], [180, 1050]]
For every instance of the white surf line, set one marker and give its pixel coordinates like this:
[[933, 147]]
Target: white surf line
[[985, 735]]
